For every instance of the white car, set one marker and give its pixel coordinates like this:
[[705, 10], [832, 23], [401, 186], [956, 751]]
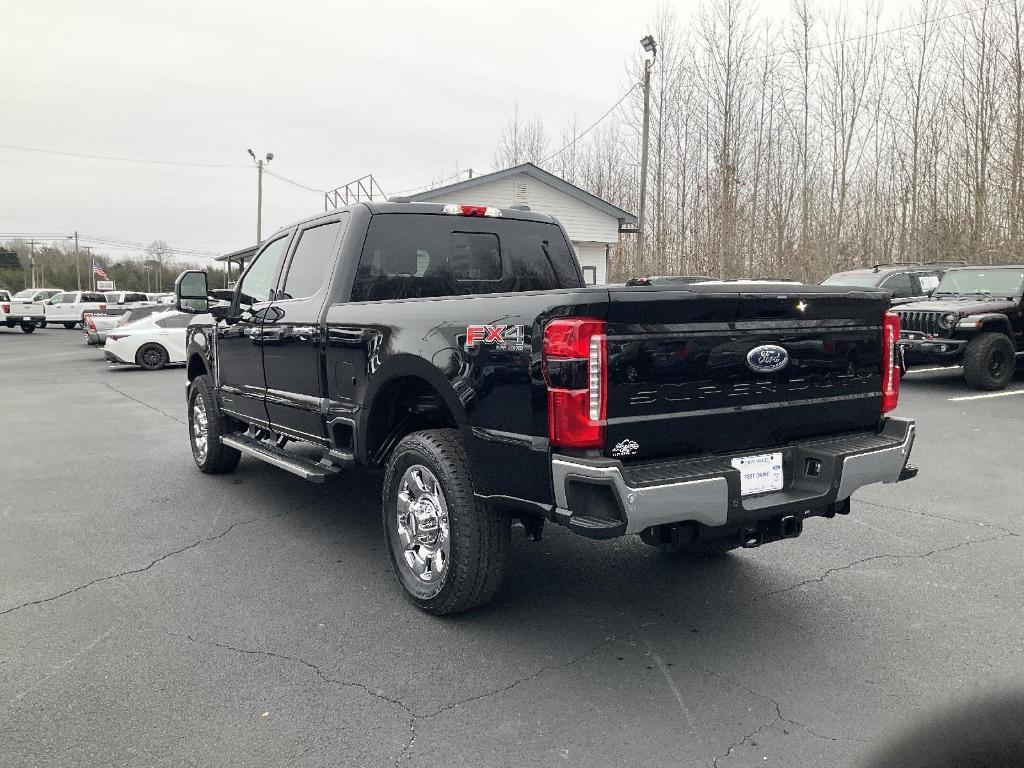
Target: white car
[[69, 307], [122, 298], [152, 343]]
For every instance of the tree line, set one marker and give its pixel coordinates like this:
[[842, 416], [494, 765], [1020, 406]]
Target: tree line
[[56, 267], [823, 142]]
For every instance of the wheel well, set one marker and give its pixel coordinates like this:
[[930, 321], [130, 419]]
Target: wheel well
[[196, 367], [403, 405]]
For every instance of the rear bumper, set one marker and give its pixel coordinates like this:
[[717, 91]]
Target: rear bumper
[[602, 498], [14, 320], [110, 357]]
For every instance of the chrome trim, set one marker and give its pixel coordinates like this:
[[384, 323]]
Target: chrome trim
[[705, 501], [882, 466]]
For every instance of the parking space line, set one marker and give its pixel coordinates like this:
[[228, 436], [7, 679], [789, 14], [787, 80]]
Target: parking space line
[[930, 370], [990, 394]]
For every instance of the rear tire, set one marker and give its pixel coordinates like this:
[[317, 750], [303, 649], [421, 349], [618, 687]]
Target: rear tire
[[449, 552], [69, 326], [989, 361], [151, 357], [27, 327], [205, 429]]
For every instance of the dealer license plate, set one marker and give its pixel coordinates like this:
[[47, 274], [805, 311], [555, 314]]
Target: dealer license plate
[[26, 318], [759, 474]]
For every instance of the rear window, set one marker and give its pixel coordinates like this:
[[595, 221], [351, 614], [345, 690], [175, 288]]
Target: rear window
[[96, 298], [420, 256], [858, 281]]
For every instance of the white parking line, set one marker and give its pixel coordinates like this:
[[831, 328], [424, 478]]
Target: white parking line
[[991, 394], [930, 370]]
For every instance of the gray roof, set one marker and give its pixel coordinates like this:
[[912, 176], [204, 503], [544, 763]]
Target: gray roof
[[240, 255], [624, 217]]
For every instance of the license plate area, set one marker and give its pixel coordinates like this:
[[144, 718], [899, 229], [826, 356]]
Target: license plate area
[[760, 474]]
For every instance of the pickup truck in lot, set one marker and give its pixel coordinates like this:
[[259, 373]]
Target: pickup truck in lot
[[70, 307], [27, 315], [456, 348]]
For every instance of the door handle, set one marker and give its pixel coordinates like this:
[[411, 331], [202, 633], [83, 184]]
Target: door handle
[[305, 332]]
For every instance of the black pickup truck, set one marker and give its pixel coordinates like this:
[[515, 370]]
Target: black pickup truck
[[456, 348]]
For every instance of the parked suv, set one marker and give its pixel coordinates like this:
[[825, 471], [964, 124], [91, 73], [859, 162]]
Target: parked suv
[[973, 318], [906, 282]]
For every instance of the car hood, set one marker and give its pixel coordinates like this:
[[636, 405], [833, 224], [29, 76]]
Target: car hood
[[968, 305]]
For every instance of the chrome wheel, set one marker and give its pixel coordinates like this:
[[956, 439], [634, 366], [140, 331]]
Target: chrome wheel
[[200, 431], [423, 531]]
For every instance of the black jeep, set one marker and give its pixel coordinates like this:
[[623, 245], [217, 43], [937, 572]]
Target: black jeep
[[973, 318]]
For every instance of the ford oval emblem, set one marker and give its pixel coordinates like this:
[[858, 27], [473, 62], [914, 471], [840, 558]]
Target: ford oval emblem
[[767, 358]]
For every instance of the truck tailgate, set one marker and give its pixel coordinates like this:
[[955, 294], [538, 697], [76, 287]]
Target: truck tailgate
[[679, 379]]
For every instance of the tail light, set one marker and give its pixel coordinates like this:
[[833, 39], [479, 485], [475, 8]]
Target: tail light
[[890, 368], [92, 325], [6, 308], [576, 373], [103, 307], [453, 209]]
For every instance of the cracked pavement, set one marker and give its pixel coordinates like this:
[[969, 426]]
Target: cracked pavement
[[151, 616]]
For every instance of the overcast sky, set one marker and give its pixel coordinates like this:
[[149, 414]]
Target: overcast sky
[[336, 90]]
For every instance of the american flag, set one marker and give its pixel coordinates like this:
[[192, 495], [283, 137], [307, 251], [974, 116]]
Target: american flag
[[98, 270]]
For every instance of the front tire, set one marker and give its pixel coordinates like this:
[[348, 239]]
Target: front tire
[[205, 429], [449, 552], [989, 361], [28, 327], [151, 357], [69, 326]]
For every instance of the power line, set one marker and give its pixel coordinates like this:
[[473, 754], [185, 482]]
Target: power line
[[279, 177], [148, 161], [594, 124], [430, 185]]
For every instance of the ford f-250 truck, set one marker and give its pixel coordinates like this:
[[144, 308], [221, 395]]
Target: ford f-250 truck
[[456, 348]]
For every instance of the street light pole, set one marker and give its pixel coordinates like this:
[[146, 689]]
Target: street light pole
[[259, 192], [78, 263], [650, 47]]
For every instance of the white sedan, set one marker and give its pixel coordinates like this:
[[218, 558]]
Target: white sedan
[[152, 342]]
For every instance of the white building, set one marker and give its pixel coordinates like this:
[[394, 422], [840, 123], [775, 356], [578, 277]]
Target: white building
[[593, 224]]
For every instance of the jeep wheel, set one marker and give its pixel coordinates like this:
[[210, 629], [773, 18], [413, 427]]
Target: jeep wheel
[[205, 428], [28, 327], [989, 361], [151, 356], [449, 552]]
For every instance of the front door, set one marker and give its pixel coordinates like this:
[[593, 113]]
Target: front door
[[292, 327], [239, 337]]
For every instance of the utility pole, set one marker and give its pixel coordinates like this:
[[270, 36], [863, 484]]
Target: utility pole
[[259, 192], [78, 263], [32, 259], [650, 47]]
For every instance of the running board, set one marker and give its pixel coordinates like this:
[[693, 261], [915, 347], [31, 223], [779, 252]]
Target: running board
[[307, 469]]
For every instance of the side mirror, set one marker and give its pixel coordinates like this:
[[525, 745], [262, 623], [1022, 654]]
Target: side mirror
[[192, 293]]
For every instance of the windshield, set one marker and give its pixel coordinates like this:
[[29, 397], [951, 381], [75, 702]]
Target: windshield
[[983, 282], [24, 294], [859, 281]]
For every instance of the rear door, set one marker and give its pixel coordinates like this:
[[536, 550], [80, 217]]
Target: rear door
[[239, 337], [292, 331], [681, 382]]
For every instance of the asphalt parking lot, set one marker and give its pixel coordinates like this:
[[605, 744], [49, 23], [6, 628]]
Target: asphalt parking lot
[[151, 615]]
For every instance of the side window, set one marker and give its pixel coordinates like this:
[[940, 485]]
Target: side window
[[307, 271], [174, 320], [899, 285], [56, 299], [258, 282], [68, 298]]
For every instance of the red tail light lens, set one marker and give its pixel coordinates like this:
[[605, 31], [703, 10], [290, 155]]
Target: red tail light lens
[[6, 308], [890, 369], [576, 373], [103, 307]]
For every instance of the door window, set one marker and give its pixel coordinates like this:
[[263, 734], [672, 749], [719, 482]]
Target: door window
[[899, 285], [258, 281], [307, 271], [68, 298]]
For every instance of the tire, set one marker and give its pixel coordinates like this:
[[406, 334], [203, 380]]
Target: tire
[[217, 458], [28, 327], [42, 324], [69, 326], [151, 357], [989, 361], [477, 537]]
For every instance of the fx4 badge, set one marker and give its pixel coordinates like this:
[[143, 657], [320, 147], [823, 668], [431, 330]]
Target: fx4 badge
[[510, 337], [626, 448]]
